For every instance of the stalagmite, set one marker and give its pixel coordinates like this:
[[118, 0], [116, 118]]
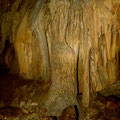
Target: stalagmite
[[72, 45]]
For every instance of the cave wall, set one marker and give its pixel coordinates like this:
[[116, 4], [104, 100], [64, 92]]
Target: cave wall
[[100, 49], [75, 44]]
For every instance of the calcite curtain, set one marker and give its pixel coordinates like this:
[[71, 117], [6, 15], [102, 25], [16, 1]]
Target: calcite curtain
[[73, 43]]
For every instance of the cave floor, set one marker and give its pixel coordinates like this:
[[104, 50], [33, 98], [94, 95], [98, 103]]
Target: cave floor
[[21, 99], [103, 108]]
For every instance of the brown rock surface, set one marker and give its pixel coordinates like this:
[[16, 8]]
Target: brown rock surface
[[69, 113], [49, 118], [75, 44]]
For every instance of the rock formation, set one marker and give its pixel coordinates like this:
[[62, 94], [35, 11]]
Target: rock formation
[[72, 43]]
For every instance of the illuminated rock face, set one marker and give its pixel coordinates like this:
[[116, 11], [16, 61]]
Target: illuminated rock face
[[75, 44], [51, 29], [101, 34]]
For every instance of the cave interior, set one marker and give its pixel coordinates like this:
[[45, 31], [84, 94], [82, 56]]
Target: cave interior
[[59, 59]]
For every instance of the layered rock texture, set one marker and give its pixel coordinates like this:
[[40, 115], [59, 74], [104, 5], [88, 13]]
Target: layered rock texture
[[74, 44]]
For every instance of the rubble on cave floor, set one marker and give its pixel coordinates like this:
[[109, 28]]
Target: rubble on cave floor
[[21, 99], [105, 105], [102, 108]]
